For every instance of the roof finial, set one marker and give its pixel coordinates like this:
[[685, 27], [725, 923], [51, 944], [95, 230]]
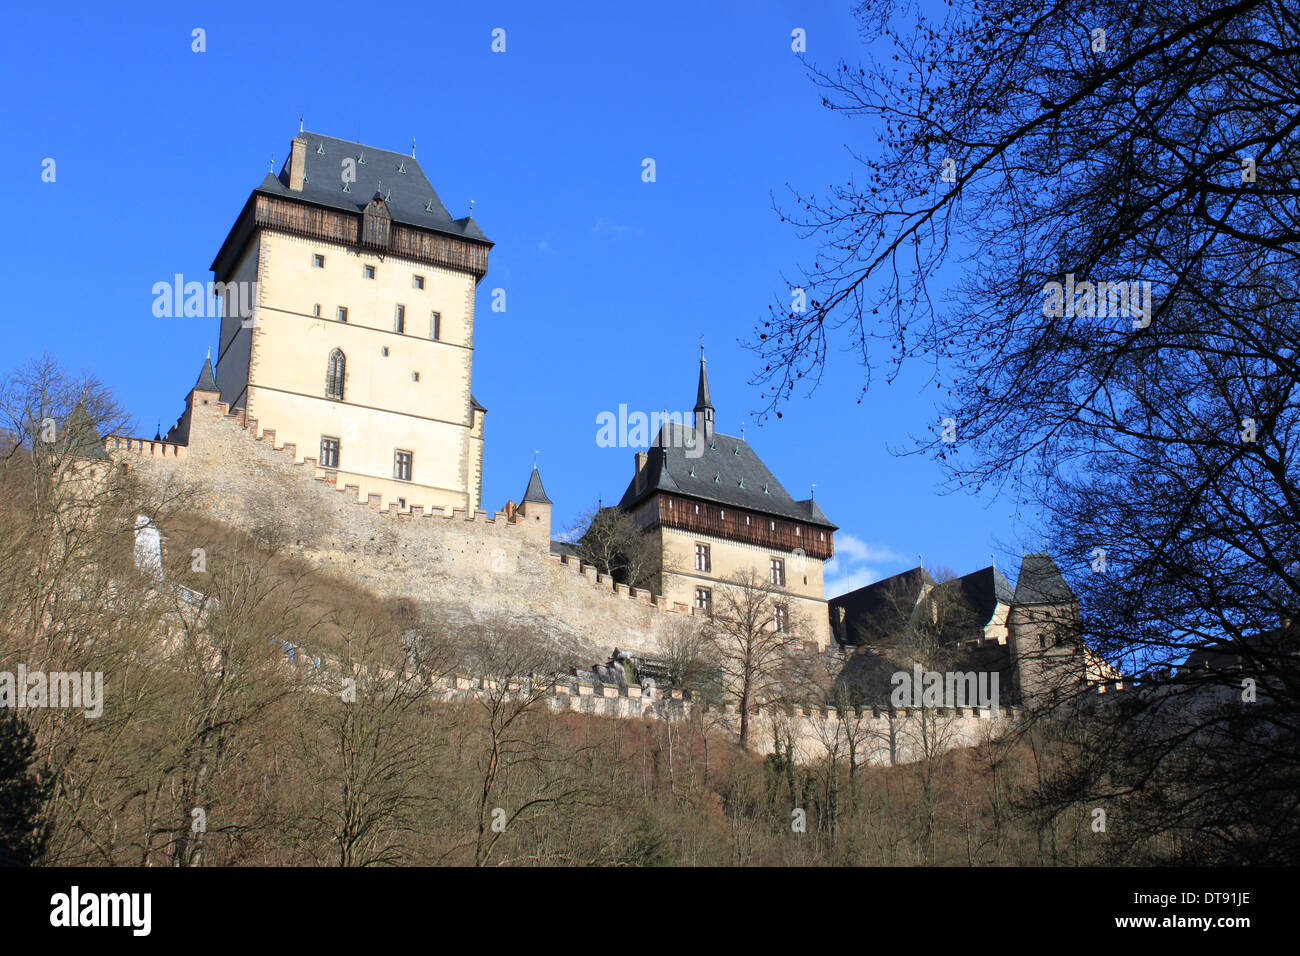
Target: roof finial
[[701, 348], [270, 163], [813, 494], [413, 147], [300, 124], [920, 559], [535, 454], [471, 207], [209, 353], [993, 558]]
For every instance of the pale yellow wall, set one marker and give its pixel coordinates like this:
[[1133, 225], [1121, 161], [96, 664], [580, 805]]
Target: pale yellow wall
[[680, 579], [383, 407]]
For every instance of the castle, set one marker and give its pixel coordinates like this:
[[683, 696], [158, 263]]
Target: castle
[[341, 407]]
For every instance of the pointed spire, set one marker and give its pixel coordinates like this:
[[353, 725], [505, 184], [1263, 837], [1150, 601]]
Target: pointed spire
[[535, 492], [703, 403], [207, 380]]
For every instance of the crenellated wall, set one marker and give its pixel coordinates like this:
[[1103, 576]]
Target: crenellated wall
[[476, 565]]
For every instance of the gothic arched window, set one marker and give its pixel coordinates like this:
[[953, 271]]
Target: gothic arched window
[[334, 375]]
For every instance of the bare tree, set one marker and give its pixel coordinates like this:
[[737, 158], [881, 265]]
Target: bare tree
[[613, 543], [755, 631]]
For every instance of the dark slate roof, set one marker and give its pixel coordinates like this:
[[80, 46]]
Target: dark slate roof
[[535, 490], [473, 403], [410, 198], [878, 613], [207, 381], [980, 592], [83, 438], [741, 476], [1040, 581]]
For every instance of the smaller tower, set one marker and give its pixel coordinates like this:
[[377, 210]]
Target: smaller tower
[[703, 404], [535, 508], [1045, 635]]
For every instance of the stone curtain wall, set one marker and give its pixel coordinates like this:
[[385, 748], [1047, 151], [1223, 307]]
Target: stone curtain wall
[[472, 565]]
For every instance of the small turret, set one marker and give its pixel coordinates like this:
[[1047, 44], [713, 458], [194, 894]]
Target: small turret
[[535, 508]]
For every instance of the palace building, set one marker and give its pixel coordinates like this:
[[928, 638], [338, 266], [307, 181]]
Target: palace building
[[359, 350], [715, 511]]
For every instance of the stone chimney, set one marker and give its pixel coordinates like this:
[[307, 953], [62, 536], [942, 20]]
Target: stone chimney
[[641, 459], [297, 162]]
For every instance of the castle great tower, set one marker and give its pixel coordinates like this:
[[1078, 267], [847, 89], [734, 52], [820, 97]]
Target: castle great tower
[[359, 349]]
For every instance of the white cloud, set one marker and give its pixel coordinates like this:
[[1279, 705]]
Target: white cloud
[[857, 563]]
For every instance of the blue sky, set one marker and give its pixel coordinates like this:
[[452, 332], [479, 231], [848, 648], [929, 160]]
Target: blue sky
[[610, 280]]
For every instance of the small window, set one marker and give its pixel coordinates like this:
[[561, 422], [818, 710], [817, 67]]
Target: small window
[[417, 281], [318, 261], [401, 503], [315, 310], [415, 376], [702, 559], [343, 314], [746, 521], [773, 524], [435, 325], [778, 572], [385, 351], [704, 600], [781, 619], [399, 323], [823, 536], [329, 452], [402, 461], [368, 271]]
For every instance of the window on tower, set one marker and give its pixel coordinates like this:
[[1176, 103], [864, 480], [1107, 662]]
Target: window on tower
[[435, 325], [399, 323], [329, 452], [402, 463], [778, 572], [335, 372], [702, 559]]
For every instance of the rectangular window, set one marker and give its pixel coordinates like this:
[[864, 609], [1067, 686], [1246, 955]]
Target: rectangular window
[[329, 452], [401, 503], [704, 599], [368, 271], [415, 376], [343, 314], [781, 619], [418, 281], [778, 572], [435, 325], [402, 465], [399, 323], [385, 351], [318, 261], [702, 562]]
